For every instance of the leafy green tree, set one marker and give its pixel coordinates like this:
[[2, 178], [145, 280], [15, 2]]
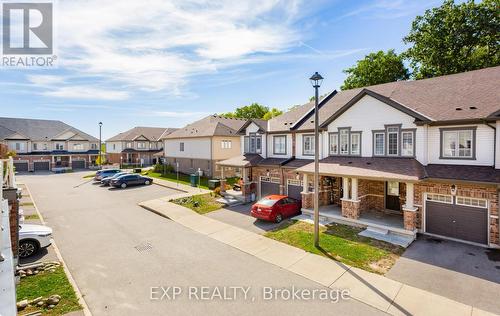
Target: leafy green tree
[[376, 68], [254, 111], [320, 97], [272, 113], [454, 38]]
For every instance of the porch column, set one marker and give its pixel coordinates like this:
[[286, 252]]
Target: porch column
[[409, 210], [307, 197], [222, 172], [354, 189], [345, 187]]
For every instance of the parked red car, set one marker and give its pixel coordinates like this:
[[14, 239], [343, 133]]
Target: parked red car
[[275, 208]]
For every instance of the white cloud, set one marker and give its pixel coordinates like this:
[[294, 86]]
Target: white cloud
[[178, 114], [391, 9], [86, 92], [159, 44]]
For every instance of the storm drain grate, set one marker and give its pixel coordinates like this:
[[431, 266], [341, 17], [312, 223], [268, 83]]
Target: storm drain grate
[[143, 247]]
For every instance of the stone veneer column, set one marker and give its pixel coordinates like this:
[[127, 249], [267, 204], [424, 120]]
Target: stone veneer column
[[222, 185], [409, 210], [350, 209], [307, 200]]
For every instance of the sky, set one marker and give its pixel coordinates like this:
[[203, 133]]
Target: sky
[[166, 63]]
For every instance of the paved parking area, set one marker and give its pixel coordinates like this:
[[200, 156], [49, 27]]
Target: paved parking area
[[117, 251], [239, 216], [461, 272]]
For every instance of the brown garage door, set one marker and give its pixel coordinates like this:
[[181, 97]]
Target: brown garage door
[[269, 186], [78, 164], [457, 221], [21, 166], [41, 165]]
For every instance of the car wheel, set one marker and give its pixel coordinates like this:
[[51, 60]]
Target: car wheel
[[278, 218], [123, 185], [147, 182], [27, 248]]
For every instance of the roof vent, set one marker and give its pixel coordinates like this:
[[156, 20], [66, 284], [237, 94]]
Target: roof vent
[[312, 121], [286, 123], [368, 163], [458, 109], [472, 108], [350, 162]]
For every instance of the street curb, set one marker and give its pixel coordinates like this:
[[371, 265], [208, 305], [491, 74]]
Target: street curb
[[152, 210], [81, 300], [170, 187]]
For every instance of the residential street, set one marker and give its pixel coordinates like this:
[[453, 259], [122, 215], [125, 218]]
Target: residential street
[[117, 251]]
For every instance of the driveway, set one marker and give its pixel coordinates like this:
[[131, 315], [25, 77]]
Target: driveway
[[239, 216], [117, 252], [461, 272]]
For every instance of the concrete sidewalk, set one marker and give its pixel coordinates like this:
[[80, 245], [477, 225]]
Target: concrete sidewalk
[[375, 290]]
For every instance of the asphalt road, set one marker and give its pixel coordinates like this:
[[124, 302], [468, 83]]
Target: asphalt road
[[118, 251]]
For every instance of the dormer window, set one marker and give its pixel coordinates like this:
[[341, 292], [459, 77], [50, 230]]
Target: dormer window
[[253, 144], [279, 145]]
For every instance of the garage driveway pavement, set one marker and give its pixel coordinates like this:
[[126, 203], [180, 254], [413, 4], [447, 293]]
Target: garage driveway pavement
[[461, 272]]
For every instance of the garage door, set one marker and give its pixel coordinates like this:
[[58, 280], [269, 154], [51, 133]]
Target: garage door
[[21, 166], [457, 217], [294, 189], [41, 165], [78, 164], [269, 185]]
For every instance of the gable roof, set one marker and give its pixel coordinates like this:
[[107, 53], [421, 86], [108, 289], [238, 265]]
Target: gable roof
[[262, 124], [475, 94], [212, 125], [36, 129], [150, 133]]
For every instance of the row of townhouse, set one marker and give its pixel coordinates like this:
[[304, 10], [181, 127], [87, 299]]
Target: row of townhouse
[[47, 144], [409, 156]]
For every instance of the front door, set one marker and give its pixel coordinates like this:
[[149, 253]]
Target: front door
[[392, 196]]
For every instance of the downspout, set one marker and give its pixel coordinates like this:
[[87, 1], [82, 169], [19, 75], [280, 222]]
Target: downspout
[[494, 143]]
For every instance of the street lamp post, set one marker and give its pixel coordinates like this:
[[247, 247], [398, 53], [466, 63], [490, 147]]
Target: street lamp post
[[316, 81], [100, 145]]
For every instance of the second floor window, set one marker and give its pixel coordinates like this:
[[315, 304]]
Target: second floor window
[[19, 146], [59, 146], [226, 144], [181, 146], [253, 144], [345, 142], [77, 146], [141, 145], [392, 141], [94, 146], [279, 145], [457, 144], [35, 146], [128, 145], [308, 145], [407, 143], [379, 143]]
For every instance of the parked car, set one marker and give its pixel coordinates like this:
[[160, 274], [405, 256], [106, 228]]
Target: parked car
[[32, 238], [275, 208], [104, 173], [126, 180], [107, 180]]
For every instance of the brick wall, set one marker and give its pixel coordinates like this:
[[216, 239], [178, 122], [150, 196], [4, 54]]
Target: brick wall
[[468, 190], [371, 194], [350, 209]]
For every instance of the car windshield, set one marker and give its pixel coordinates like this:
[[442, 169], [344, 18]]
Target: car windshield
[[116, 175], [267, 202]]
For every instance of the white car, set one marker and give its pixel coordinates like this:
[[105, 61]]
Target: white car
[[32, 238]]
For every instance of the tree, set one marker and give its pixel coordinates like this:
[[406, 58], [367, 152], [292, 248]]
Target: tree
[[454, 38], [103, 154], [311, 99], [253, 111], [272, 113], [376, 68]]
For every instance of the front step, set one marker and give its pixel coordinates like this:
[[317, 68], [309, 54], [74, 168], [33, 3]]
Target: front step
[[377, 230]]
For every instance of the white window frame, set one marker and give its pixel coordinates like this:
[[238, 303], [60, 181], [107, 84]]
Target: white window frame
[[440, 198], [181, 146], [352, 152], [375, 153], [455, 153], [129, 145], [77, 146], [281, 149], [334, 144], [59, 146], [472, 202], [391, 130], [343, 140], [310, 150], [35, 146], [141, 145], [405, 152]]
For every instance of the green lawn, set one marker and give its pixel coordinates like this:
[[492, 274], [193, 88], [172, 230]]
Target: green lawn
[[341, 243], [46, 284], [184, 178], [201, 204], [89, 176], [32, 216]]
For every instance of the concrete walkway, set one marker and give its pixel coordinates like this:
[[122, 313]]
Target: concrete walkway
[[184, 190], [380, 292]]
